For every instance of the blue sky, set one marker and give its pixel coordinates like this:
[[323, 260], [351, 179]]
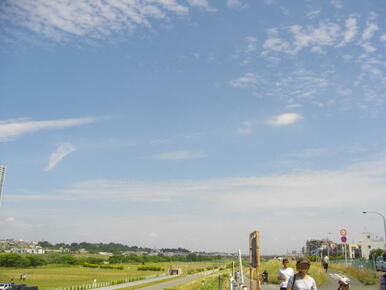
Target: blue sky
[[173, 123]]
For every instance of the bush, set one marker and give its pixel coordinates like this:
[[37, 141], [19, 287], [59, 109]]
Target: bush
[[149, 268], [14, 260], [88, 265]]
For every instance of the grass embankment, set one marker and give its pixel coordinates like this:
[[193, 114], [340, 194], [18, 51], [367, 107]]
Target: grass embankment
[[364, 275], [272, 267]]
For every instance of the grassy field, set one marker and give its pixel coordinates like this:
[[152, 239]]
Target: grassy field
[[55, 276]]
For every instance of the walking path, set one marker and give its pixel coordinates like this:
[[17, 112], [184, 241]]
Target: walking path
[[161, 285], [176, 282], [332, 283]]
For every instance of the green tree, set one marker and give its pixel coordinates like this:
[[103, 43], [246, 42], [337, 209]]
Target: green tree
[[376, 253]]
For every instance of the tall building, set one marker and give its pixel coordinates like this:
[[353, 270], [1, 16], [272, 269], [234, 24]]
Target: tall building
[[2, 175], [370, 242]]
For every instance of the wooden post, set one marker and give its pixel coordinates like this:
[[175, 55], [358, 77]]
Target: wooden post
[[250, 278]]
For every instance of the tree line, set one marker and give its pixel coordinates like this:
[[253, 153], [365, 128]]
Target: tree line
[[34, 260]]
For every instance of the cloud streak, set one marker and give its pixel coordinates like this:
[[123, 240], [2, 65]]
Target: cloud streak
[[13, 128], [60, 153]]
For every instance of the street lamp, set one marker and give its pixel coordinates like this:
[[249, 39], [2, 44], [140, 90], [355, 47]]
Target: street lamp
[[384, 221]]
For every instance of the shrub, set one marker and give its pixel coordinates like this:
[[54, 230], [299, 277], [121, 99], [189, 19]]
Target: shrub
[[149, 268], [88, 265]]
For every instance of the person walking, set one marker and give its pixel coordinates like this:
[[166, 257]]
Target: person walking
[[284, 274], [344, 283], [325, 263], [301, 280]]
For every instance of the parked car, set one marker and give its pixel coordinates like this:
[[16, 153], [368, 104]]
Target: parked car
[[380, 264], [4, 286]]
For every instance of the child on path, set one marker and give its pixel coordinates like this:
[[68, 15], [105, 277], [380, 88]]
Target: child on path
[[284, 274], [301, 280]]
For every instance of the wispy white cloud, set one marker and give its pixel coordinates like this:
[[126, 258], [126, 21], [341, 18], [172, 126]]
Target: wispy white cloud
[[246, 128], [369, 31], [318, 37], [337, 4], [251, 40], [313, 13], [246, 81], [284, 119], [351, 30], [89, 19], [180, 155], [383, 38], [13, 128], [60, 153], [203, 4], [234, 3]]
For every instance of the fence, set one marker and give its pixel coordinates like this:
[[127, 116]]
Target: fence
[[369, 264]]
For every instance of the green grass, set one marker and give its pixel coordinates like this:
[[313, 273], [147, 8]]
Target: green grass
[[364, 275], [55, 276]]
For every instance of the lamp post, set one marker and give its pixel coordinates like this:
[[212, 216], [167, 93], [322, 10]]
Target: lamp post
[[384, 221]]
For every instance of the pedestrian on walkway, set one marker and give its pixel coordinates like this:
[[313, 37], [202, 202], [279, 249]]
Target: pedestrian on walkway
[[301, 280], [325, 263], [344, 283], [284, 274]]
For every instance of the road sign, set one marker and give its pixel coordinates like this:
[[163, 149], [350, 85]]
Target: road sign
[[343, 239], [343, 232]]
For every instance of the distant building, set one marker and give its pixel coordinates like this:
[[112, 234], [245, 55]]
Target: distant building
[[370, 242], [354, 251], [2, 176], [321, 248]]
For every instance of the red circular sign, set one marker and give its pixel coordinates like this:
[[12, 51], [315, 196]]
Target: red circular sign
[[343, 232], [343, 239]]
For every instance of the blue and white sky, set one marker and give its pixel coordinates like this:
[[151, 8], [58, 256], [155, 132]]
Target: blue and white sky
[[191, 123]]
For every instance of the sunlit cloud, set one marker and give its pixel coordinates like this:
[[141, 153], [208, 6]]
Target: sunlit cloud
[[284, 119]]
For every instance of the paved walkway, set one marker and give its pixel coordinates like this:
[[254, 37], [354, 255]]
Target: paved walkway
[[332, 283], [173, 283], [334, 276], [161, 285]]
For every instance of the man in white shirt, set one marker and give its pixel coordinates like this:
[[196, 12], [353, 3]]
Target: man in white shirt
[[325, 263], [284, 274]]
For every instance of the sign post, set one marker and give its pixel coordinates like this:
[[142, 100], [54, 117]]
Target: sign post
[[343, 239], [254, 259]]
